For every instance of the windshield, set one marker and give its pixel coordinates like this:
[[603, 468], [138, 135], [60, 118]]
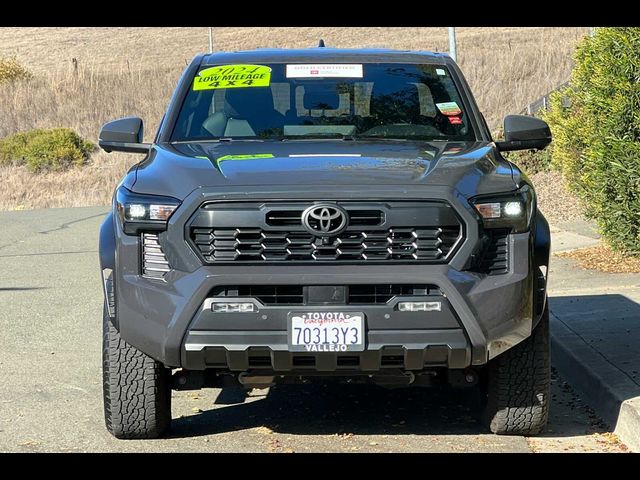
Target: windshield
[[302, 101]]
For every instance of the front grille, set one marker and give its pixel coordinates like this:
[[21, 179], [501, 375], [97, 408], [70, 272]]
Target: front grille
[[393, 231], [298, 294], [257, 245], [154, 262], [495, 259]]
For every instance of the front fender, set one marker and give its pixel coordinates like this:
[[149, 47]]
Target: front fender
[[107, 244], [107, 253], [541, 254]]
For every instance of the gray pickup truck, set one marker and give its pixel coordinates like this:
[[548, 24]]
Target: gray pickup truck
[[324, 214]]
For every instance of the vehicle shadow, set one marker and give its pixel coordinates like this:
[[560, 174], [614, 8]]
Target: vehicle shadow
[[334, 409], [328, 409]]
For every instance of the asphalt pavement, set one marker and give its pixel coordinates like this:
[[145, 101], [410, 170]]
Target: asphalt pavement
[[51, 392]]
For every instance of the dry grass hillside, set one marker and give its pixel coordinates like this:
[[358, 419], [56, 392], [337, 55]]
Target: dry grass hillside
[[132, 71]]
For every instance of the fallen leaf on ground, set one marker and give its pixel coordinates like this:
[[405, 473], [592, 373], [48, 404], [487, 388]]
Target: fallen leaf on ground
[[604, 259]]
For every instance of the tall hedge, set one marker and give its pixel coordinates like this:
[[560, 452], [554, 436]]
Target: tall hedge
[[596, 127]]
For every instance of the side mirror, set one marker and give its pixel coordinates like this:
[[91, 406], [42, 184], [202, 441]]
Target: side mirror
[[123, 135], [524, 133]]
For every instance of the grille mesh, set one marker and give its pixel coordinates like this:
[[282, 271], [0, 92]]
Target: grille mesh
[[399, 231], [245, 244]]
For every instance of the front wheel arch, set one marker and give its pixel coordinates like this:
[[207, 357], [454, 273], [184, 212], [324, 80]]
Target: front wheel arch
[[107, 252], [541, 254]]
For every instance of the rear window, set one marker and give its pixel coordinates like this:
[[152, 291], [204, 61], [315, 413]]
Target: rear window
[[278, 101]]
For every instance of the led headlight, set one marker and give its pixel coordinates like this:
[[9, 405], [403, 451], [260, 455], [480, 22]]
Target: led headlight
[[143, 212], [512, 211]]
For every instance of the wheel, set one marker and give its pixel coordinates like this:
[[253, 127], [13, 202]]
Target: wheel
[[136, 388], [516, 388]]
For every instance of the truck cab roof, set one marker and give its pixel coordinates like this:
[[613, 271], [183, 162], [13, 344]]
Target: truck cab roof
[[323, 54]]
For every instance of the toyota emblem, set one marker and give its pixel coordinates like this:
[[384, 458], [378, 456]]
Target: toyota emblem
[[325, 219]]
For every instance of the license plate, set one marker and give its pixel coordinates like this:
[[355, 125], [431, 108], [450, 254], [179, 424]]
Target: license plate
[[326, 331]]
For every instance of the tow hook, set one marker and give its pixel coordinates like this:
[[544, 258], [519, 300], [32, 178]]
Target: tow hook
[[463, 378], [471, 376], [248, 380], [188, 380]]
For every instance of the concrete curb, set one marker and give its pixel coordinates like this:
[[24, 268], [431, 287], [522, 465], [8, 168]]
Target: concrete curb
[[614, 397]]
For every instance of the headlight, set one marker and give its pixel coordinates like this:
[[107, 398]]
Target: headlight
[[148, 213], [512, 211]]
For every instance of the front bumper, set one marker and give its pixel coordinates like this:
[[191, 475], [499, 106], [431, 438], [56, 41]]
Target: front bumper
[[163, 318]]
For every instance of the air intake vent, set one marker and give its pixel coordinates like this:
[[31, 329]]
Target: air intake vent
[[154, 262], [284, 218], [366, 217], [299, 294], [378, 294], [267, 294], [495, 260]]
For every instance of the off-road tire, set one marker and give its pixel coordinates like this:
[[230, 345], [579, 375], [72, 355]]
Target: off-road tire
[[516, 387], [136, 389]]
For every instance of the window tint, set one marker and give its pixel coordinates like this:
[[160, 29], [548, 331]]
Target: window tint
[[390, 100]]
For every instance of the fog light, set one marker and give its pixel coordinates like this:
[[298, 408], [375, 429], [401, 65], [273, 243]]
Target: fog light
[[419, 306], [233, 307]]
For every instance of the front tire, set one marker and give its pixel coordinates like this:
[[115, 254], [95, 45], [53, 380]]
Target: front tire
[[136, 389], [516, 389]]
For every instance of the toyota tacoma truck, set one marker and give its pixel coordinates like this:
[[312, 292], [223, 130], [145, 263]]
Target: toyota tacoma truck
[[324, 215]]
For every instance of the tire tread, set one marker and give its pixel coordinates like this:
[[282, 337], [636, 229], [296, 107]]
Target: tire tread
[[518, 384], [136, 389]]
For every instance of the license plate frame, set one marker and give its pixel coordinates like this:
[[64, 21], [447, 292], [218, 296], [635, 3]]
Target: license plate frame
[[326, 321]]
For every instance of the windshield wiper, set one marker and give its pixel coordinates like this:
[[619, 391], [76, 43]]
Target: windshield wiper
[[413, 139], [221, 140], [381, 137], [317, 136]]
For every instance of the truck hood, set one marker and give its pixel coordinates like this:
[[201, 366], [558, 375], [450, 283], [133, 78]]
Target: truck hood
[[178, 169]]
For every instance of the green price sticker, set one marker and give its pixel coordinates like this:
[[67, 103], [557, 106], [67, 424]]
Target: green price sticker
[[244, 157], [232, 76]]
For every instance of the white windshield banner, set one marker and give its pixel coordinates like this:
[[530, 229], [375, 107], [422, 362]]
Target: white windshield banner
[[339, 70]]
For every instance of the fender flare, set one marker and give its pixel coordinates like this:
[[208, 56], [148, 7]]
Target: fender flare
[[541, 254], [107, 253], [107, 244]]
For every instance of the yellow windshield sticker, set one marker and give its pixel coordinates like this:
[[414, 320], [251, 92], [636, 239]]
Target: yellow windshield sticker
[[232, 76]]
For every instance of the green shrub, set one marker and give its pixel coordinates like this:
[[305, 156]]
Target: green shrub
[[54, 149], [531, 161], [10, 69], [596, 132]]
